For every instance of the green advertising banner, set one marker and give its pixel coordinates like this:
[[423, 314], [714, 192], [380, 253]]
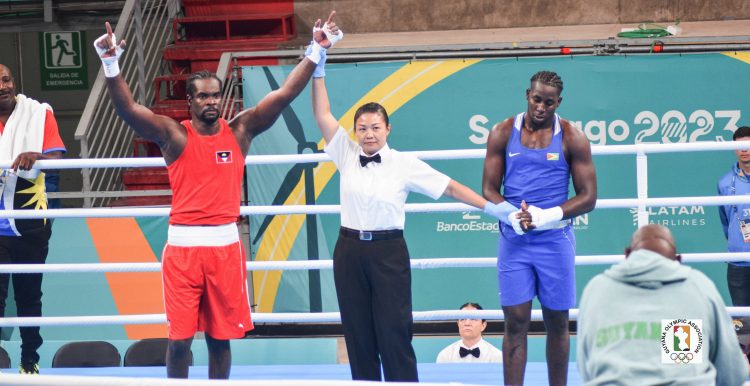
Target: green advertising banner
[[453, 104], [63, 60]]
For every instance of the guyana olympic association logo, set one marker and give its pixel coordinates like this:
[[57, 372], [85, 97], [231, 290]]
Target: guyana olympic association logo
[[681, 341]]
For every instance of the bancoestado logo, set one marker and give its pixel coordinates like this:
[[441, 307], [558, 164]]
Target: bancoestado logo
[[673, 216], [681, 341], [473, 222]]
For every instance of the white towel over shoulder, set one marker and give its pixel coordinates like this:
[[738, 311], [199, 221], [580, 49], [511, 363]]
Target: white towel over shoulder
[[24, 130]]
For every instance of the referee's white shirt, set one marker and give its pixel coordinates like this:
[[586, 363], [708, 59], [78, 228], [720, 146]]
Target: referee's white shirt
[[487, 353], [373, 197]]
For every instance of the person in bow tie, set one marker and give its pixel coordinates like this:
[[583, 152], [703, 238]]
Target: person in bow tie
[[471, 348], [371, 266]]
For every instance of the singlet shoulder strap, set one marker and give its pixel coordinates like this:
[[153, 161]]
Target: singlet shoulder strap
[[518, 121], [558, 127], [188, 127], [224, 125]]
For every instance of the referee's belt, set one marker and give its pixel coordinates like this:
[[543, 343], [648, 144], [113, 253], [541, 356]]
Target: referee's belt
[[371, 235]]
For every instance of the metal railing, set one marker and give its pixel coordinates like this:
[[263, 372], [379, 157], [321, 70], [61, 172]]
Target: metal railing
[[597, 47], [146, 26]]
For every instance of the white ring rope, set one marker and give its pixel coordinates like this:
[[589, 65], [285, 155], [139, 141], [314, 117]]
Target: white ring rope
[[299, 265], [639, 149], [281, 317], [642, 148], [255, 210]]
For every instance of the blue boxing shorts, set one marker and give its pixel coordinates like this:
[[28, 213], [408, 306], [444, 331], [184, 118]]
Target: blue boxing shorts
[[538, 263]]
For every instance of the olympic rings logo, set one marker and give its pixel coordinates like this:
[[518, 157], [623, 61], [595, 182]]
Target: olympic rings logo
[[681, 357]]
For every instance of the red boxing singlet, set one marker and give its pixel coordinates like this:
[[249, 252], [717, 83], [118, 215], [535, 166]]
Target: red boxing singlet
[[206, 178]]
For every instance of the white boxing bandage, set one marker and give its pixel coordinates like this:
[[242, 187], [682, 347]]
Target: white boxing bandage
[[315, 52], [544, 219], [109, 63], [333, 38]]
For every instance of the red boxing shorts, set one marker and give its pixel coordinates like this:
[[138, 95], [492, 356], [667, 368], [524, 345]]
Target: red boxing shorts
[[205, 282]]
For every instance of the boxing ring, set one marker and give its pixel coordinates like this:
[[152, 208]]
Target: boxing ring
[[334, 374]]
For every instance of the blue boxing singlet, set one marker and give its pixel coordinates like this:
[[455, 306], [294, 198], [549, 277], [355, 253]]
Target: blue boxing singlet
[[537, 263], [539, 176]]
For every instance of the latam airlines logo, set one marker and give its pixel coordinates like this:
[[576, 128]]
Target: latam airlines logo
[[673, 216]]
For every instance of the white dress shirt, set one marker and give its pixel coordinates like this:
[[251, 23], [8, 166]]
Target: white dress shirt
[[487, 353], [373, 196]]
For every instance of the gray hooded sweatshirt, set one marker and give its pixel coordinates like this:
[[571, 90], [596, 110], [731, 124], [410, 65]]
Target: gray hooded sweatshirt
[[619, 326]]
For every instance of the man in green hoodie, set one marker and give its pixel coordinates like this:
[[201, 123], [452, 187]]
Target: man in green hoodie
[[637, 318]]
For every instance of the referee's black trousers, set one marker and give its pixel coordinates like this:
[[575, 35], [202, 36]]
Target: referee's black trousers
[[373, 286]]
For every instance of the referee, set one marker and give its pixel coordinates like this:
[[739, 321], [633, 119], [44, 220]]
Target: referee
[[371, 265]]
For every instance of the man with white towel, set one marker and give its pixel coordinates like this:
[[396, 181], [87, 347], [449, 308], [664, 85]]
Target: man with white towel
[[28, 132]]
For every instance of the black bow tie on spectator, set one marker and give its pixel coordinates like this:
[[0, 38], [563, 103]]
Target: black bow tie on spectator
[[364, 160], [464, 352]]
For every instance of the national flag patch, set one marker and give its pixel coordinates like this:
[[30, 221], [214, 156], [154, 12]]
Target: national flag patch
[[553, 156], [224, 157]]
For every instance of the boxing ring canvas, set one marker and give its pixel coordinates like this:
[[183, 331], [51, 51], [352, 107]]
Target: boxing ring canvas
[[453, 373]]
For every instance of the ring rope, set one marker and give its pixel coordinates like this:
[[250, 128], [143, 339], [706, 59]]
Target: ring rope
[[254, 210], [281, 317], [641, 148], [298, 265]]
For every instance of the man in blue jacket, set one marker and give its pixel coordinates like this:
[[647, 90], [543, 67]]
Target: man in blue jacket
[[735, 220], [650, 320]]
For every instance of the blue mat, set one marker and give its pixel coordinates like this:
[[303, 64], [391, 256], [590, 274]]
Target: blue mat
[[472, 373]]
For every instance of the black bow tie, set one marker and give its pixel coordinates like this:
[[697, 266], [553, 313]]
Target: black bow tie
[[364, 160], [465, 351]]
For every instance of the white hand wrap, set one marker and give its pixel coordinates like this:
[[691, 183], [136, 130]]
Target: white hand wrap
[[109, 64], [320, 69], [545, 218], [330, 35], [315, 52]]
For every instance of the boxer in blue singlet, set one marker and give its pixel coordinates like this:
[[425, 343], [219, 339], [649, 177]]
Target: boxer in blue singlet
[[531, 157]]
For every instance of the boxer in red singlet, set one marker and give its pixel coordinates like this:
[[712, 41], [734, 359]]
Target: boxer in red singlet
[[203, 264]]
